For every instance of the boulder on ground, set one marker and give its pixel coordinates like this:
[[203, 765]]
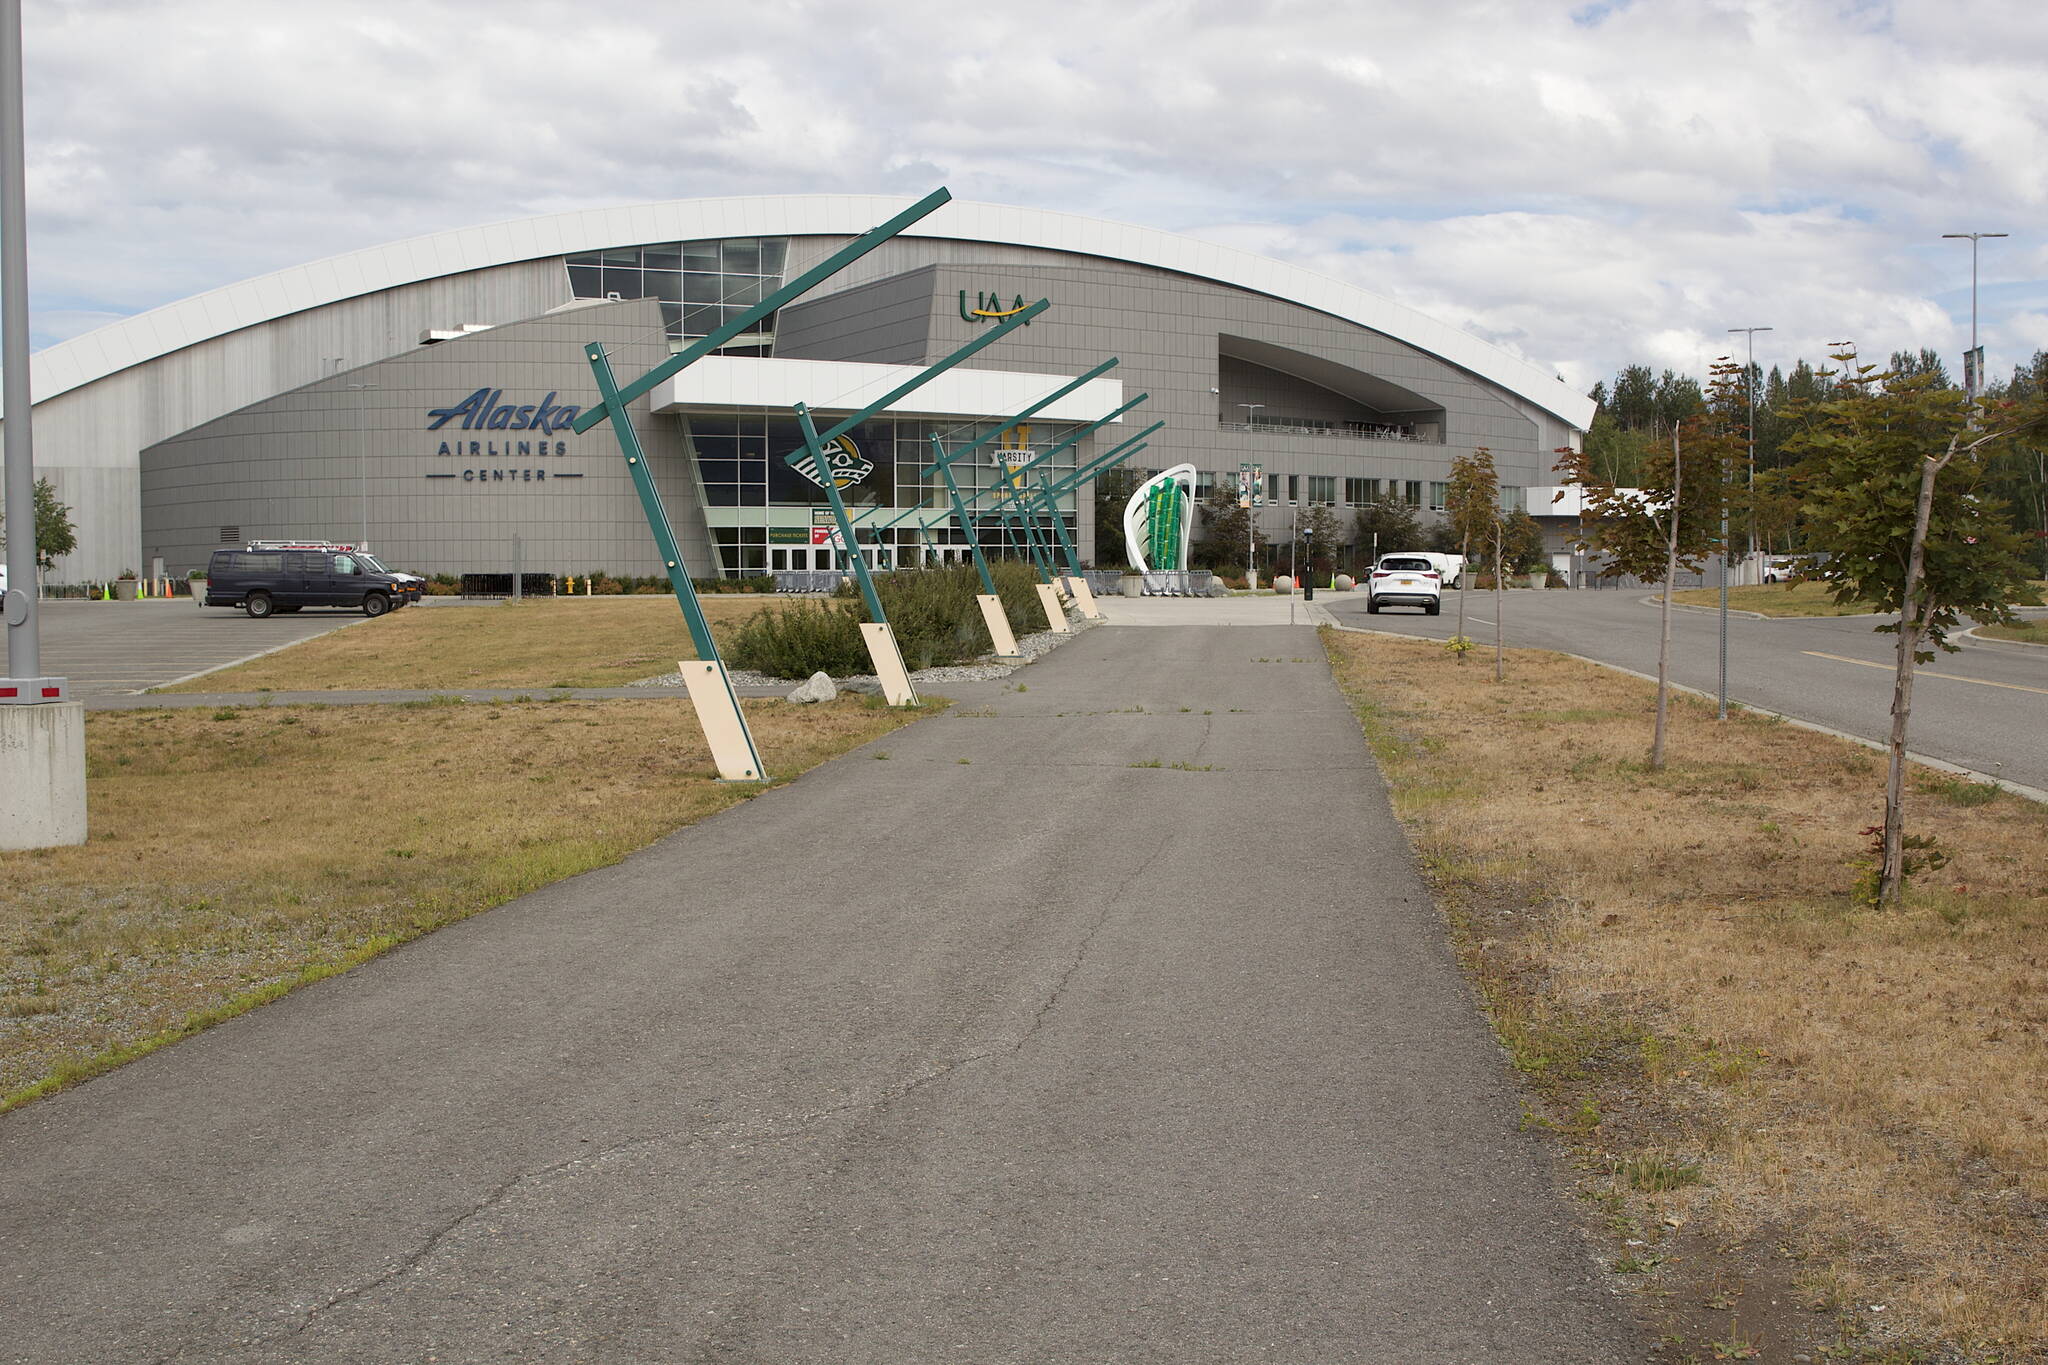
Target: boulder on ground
[[1216, 589], [1283, 585], [818, 687], [1345, 582]]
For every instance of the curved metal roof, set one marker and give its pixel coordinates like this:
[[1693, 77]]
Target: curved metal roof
[[160, 331]]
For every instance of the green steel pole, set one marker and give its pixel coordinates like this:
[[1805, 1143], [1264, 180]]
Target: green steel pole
[[650, 503], [988, 581], [1059, 525], [1072, 438], [789, 293], [980, 343], [815, 443]]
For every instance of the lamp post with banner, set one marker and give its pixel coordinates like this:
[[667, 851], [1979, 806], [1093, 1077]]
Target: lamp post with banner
[[1251, 495]]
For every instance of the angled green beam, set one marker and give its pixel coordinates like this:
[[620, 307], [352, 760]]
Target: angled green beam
[[1050, 489], [1078, 435], [1050, 501], [945, 468], [980, 343], [650, 503], [1013, 423], [1096, 467], [789, 293], [814, 445]]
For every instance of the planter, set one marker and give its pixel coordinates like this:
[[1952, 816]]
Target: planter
[[125, 589], [1131, 585], [198, 592]]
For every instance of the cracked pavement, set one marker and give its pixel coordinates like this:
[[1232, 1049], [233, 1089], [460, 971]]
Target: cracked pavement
[[1061, 1053]]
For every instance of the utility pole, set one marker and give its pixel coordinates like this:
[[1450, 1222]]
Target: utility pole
[[1749, 548], [42, 731]]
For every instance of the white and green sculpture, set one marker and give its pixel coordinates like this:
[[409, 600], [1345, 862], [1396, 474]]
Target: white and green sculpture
[[1159, 520]]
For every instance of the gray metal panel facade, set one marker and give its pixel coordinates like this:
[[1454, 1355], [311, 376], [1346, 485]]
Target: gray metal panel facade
[[299, 465], [1165, 329], [88, 441]]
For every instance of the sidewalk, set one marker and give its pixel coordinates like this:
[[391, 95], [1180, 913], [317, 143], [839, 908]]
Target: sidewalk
[[1106, 1020]]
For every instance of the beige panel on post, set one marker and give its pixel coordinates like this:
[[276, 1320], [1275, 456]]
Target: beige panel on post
[[999, 632], [889, 669], [1055, 614], [725, 730], [1083, 595]]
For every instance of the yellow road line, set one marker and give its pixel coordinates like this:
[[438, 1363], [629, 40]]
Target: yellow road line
[[1925, 672]]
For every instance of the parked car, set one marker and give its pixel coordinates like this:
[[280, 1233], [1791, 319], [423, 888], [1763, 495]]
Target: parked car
[[265, 581], [1405, 580], [1779, 568]]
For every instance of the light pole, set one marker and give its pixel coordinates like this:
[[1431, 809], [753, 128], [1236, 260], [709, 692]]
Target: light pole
[[362, 466], [1749, 387], [1973, 364], [1251, 516]]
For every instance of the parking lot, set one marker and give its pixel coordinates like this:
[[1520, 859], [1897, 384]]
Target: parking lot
[[112, 648]]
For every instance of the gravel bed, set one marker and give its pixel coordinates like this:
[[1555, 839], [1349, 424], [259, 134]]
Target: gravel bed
[[1030, 646]]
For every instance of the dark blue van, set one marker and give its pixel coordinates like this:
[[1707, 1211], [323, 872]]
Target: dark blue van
[[263, 581]]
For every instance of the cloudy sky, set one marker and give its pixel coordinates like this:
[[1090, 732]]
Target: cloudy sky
[[1584, 184]]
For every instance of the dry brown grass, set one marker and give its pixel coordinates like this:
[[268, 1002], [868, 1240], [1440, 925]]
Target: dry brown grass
[[198, 896], [543, 642], [1774, 599], [2027, 632], [1871, 1081]]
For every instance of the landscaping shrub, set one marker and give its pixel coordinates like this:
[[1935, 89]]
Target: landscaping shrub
[[933, 612], [796, 644]]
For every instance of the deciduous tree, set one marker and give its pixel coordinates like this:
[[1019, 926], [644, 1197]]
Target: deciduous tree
[[1472, 509], [1893, 469], [1670, 520]]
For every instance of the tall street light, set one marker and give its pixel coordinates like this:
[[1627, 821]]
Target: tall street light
[[362, 466], [1749, 386], [1251, 514], [1973, 364]]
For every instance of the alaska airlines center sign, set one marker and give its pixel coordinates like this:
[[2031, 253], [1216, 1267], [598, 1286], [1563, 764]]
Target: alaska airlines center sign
[[482, 412]]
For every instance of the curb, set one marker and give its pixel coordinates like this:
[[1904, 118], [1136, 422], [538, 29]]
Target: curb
[[2020, 789], [1974, 638]]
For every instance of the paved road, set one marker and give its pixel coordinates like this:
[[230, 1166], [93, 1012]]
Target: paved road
[[1985, 708], [1011, 1048], [112, 648]]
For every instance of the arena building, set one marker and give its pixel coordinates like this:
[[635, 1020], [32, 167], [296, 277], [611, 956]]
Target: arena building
[[416, 397]]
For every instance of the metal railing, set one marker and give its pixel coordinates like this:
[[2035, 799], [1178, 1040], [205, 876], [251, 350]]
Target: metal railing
[[1349, 433]]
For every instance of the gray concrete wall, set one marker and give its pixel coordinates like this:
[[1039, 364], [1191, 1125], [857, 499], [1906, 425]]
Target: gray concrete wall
[[297, 466]]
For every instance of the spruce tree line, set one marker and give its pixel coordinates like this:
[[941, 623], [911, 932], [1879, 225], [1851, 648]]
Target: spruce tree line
[[1641, 407]]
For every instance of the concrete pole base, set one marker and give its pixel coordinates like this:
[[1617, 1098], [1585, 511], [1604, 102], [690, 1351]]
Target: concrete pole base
[[42, 775]]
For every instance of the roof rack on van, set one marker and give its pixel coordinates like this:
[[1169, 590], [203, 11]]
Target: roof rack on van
[[297, 545]]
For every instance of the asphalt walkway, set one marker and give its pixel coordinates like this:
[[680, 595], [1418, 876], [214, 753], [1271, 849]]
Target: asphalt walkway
[[1103, 1021]]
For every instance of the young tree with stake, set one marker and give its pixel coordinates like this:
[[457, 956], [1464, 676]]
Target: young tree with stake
[[1670, 521], [1472, 505], [1892, 472]]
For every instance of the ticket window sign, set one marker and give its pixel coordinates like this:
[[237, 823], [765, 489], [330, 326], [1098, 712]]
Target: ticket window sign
[[1251, 485]]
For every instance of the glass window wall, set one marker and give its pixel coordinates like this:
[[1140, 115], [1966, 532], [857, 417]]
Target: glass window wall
[[701, 285]]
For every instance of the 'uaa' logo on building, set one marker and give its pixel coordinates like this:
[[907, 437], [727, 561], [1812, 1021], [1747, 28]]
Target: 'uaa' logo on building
[[844, 459], [988, 307]]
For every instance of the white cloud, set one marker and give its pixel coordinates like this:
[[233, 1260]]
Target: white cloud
[[1587, 193]]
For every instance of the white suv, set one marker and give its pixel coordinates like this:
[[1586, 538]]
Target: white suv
[[1405, 581]]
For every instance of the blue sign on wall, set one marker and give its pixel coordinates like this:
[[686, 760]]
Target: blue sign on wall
[[481, 411]]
